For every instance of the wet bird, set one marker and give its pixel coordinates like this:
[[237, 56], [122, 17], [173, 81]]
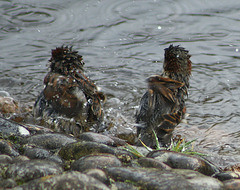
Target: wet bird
[[162, 107], [68, 92]]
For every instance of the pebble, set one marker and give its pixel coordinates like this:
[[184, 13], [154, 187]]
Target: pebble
[[183, 161], [32, 169], [98, 161]]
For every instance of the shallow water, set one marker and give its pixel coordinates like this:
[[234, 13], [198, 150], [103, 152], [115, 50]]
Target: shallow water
[[122, 43]]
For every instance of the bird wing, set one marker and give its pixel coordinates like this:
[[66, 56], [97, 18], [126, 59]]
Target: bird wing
[[164, 86], [59, 91]]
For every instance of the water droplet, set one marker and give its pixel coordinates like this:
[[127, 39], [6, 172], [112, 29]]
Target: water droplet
[[159, 27], [237, 50]]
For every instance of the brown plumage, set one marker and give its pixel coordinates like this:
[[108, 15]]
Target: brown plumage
[[162, 107], [68, 92]]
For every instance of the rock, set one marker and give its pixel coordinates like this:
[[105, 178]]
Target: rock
[[153, 163], [232, 184], [98, 174], [99, 138], [8, 105], [226, 175], [11, 128], [32, 169], [7, 183], [96, 161], [67, 181], [36, 129], [183, 161], [127, 134], [151, 178], [50, 140], [5, 159], [77, 150], [55, 158], [234, 168], [124, 186], [20, 158], [7, 148], [36, 153], [124, 155]]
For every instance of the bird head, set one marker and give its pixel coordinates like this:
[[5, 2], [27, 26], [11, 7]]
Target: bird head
[[65, 61], [177, 60]]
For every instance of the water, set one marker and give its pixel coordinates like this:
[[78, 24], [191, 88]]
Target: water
[[122, 43]]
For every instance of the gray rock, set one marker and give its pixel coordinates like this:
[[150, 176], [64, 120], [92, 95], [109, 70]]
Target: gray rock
[[124, 186], [32, 169], [5, 159], [9, 128], [183, 161], [20, 158], [232, 184], [96, 161], [153, 163], [151, 178], [226, 175], [50, 140], [77, 150], [67, 181], [99, 138], [36, 153], [97, 174], [7, 148], [7, 183]]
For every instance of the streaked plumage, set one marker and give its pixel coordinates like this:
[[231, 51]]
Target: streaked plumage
[[162, 107], [68, 92]]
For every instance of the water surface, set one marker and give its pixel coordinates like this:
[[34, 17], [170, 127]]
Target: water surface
[[122, 43]]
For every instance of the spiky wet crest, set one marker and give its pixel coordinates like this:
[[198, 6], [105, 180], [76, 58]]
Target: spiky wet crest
[[177, 60], [64, 60]]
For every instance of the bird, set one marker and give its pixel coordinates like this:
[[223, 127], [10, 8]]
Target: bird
[[68, 93], [163, 107]]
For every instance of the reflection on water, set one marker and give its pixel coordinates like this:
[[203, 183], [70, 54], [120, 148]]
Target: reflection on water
[[122, 43]]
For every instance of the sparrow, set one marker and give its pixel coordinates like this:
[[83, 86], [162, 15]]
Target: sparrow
[[162, 107], [68, 92]]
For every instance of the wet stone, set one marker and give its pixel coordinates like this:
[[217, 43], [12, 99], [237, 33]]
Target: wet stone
[[55, 158], [153, 163], [7, 148], [20, 158], [234, 168], [32, 169], [96, 161], [50, 140], [151, 178], [99, 138], [36, 153], [35, 129], [8, 105], [226, 175], [124, 186], [11, 128], [97, 174], [5, 159], [66, 181], [77, 150], [7, 183], [232, 184], [183, 161]]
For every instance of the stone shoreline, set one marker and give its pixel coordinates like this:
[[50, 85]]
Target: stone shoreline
[[37, 158]]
